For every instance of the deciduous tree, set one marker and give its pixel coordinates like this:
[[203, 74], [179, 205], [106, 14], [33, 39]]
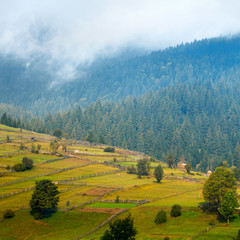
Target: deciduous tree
[[219, 182], [228, 205], [170, 161], [143, 167], [188, 168], [121, 229], [57, 133]]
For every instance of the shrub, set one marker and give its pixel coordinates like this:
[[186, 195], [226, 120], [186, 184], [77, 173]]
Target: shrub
[[8, 167], [57, 133], [166, 238], [19, 167], [22, 147], [212, 222], [117, 199], [109, 149], [238, 236], [131, 169], [208, 207], [152, 159], [27, 162], [8, 139], [176, 210], [161, 217], [8, 213]]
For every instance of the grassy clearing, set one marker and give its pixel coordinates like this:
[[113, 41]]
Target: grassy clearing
[[37, 158], [155, 191], [179, 173], [62, 225], [175, 228], [8, 147], [186, 199], [104, 158], [119, 180], [112, 205], [65, 163], [14, 202], [4, 127], [180, 228], [75, 197], [130, 163], [222, 231], [82, 171], [69, 225], [28, 173]]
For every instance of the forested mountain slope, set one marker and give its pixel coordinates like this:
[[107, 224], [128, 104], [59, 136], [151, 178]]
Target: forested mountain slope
[[199, 122], [183, 101], [34, 83]]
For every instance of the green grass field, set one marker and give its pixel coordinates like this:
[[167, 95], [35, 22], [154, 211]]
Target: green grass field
[[62, 225], [177, 187], [112, 205]]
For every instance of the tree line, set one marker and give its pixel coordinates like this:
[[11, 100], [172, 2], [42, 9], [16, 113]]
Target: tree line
[[199, 123]]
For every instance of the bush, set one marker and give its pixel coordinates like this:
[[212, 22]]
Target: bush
[[57, 133], [22, 147], [166, 238], [109, 149], [131, 169], [117, 199], [8, 213], [152, 159], [238, 236], [8, 167], [19, 167], [208, 207], [161, 217], [176, 210], [212, 222], [27, 162]]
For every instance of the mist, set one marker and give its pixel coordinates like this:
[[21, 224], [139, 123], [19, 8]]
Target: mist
[[72, 32]]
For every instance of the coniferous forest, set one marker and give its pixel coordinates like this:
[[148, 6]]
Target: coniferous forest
[[183, 101]]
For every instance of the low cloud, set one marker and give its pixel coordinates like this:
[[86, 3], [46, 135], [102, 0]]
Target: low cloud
[[76, 31]]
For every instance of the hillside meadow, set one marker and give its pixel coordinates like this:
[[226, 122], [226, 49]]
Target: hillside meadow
[[90, 181]]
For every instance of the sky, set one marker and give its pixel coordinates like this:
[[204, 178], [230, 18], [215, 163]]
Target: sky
[[76, 31]]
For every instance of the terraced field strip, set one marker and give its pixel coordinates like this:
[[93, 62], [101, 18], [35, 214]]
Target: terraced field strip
[[37, 158], [43, 174], [31, 188], [86, 176]]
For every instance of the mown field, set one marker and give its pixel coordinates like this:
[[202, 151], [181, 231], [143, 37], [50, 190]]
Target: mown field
[[89, 189]]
